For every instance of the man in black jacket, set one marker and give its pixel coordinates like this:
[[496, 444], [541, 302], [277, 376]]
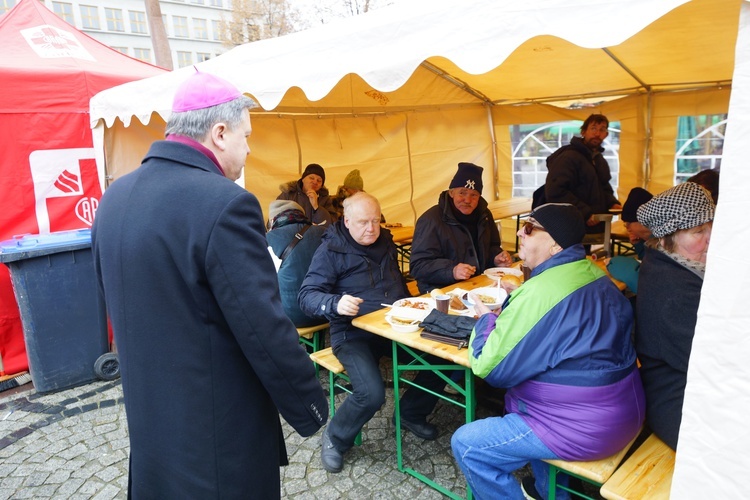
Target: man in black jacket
[[579, 174], [353, 271]]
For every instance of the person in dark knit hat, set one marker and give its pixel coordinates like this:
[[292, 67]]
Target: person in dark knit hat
[[562, 348], [457, 238], [311, 194], [669, 291], [625, 267]]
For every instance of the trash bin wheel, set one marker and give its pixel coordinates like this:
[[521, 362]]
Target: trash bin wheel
[[107, 366]]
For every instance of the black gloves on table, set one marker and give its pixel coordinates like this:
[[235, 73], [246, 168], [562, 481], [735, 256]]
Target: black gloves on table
[[458, 327]]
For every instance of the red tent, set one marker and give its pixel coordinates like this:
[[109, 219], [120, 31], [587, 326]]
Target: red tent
[[48, 175]]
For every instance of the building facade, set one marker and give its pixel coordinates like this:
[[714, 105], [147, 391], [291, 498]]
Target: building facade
[[193, 26]]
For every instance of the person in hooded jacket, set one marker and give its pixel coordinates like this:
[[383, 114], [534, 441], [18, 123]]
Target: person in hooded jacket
[[354, 271], [288, 224], [457, 238], [579, 174], [312, 195], [562, 347]]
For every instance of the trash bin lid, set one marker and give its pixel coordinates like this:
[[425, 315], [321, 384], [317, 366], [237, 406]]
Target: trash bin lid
[[34, 245]]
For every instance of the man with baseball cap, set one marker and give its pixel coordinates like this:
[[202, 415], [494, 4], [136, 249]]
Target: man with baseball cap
[[562, 348], [209, 360], [457, 238]]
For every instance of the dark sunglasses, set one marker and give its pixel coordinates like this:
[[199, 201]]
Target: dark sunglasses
[[528, 227]]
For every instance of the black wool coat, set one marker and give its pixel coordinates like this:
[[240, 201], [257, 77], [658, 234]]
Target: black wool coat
[[208, 357]]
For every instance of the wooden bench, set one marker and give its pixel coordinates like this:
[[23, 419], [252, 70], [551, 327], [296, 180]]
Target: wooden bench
[[336, 373], [647, 473], [595, 472], [312, 336]]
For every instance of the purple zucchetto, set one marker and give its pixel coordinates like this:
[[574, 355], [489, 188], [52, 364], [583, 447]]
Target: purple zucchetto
[[203, 90]]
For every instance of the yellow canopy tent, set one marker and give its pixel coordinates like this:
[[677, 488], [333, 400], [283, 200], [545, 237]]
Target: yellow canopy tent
[[407, 92]]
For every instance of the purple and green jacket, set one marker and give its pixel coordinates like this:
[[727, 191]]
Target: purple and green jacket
[[562, 347]]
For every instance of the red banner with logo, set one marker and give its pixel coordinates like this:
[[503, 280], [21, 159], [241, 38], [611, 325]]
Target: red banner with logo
[[48, 182]]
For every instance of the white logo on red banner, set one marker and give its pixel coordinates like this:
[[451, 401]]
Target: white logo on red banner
[[57, 173], [50, 42]]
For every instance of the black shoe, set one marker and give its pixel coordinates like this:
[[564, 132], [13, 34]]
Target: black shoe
[[333, 459], [529, 489], [423, 430]]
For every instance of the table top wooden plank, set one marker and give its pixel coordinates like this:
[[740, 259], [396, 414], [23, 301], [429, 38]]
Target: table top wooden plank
[[402, 234], [375, 323], [503, 209]]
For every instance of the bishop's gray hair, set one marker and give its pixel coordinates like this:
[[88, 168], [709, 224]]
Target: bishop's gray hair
[[197, 123]]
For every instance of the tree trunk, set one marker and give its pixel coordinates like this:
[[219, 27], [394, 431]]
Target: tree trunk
[[159, 39]]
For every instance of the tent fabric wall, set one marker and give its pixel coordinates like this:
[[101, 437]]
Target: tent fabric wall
[[712, 454]]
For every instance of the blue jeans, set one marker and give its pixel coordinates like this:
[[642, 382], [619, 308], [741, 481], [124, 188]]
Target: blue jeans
[[361, 359], [489, 450]]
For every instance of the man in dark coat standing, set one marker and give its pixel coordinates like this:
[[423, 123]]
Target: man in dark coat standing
[[208, 357], [579, 174]]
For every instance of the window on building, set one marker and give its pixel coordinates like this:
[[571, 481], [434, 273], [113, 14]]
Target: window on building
[[90, 17], [138, 22], [142, 54], [180, 26], [217, 3], [216, 29], [64, 11], [699, 146], [198, 2], [121, 50], [202, 56], [166, 25], [200, 29], [184, 59], [532, 144], [114, 19], [6, 5]]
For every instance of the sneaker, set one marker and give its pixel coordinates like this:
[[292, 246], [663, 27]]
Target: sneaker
[[333, 459], [528, 488], [423, 430]]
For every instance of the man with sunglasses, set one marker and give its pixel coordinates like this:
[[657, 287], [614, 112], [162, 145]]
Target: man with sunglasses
[[562, 348], [457, 238], [579, 174]]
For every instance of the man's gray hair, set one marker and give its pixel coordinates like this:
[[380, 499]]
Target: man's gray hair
[[356, 198], [197, 123]]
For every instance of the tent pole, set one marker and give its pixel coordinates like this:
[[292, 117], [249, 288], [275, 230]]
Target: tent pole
[[646, 166], [493, 141]]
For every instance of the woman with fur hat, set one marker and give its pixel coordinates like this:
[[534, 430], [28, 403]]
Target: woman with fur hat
[[669, 291], [311, 194]]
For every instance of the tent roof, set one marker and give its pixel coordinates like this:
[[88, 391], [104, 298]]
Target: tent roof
[[488, 51], [46, 65]]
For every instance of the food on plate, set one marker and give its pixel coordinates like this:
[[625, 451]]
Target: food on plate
[[486, 299], [414, 304], [511, 281], [402, 321], [457, 304], [495, 273]]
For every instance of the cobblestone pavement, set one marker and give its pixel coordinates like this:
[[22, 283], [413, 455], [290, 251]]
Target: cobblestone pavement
[[74, 444]]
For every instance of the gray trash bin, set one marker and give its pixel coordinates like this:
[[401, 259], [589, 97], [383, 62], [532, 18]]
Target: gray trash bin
[[64, 320]]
